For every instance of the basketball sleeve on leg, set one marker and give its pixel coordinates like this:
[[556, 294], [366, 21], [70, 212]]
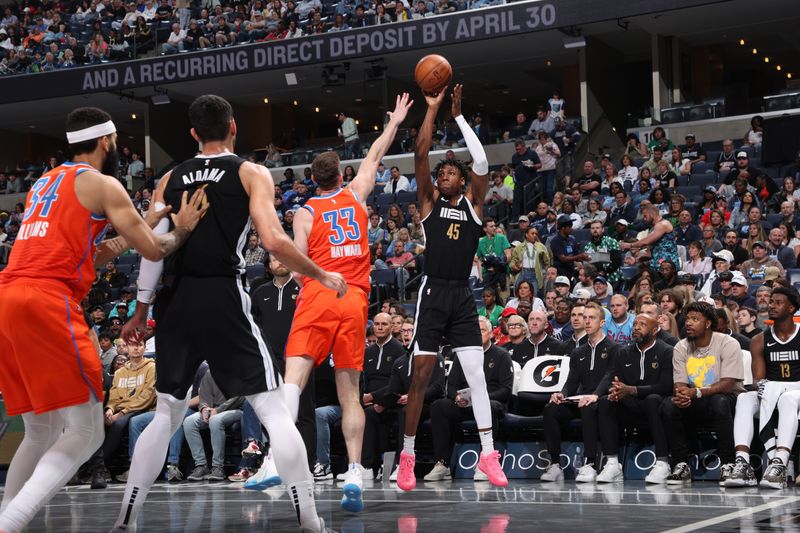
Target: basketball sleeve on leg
[[480, 165]]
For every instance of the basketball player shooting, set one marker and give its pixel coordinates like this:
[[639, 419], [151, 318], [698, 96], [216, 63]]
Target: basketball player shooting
[[451, 217]]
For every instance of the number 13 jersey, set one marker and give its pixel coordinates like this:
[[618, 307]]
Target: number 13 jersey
[[782, 358], [338, 240], [451, 239]]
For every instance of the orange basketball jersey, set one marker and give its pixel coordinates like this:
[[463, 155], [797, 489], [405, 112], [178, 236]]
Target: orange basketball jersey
[[58, 237], [338, 239]]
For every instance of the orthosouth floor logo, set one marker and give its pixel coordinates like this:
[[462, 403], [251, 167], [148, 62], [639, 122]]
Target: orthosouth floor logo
[[528, 460]]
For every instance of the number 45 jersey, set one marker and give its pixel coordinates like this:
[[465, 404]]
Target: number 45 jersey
[[338, 240], [451, 239]]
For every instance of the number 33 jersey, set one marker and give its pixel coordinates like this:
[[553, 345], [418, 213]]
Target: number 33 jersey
[[451, 239], [338, 240]]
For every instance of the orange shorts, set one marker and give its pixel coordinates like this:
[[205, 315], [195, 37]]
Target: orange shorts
[[47, 359], [324, 324]]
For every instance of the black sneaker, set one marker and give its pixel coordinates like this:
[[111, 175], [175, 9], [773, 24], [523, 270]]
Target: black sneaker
[[200, 473], [680, 475], [99, 480], [741, 476], [774, 476]]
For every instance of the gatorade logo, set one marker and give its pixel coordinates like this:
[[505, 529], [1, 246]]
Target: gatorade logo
[[547, 372]]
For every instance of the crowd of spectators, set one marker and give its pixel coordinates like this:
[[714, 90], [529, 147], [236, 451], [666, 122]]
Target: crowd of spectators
[[535, 275], [40, 36]]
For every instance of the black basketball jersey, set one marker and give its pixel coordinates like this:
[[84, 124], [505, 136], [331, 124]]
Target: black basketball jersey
[[782, 358], [215, 246], [451, 239]]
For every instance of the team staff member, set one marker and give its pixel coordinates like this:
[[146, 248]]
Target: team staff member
[[636, 384], [587, 367]]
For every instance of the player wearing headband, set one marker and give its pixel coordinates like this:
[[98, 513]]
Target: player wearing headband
[[49, 369]]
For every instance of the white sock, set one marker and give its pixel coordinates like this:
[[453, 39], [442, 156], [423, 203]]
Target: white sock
[[149, 454], [83, 434], [743, 455], [612, 461], [487, 442], [302, 495], [408, 444], [291, 394], [783, 455]]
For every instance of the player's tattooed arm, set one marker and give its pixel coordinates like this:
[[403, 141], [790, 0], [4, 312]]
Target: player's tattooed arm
[[192, 210]]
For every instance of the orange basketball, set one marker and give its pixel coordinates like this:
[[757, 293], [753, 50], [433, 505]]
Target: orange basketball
[[433, 73]]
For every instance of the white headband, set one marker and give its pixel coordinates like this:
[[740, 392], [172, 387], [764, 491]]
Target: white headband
[[92, 132]]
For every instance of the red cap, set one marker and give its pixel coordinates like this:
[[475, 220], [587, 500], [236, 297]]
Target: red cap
[[151, 323], [508, 311]]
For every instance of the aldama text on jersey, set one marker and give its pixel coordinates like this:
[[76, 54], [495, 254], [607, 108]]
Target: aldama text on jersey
[[206, 174]]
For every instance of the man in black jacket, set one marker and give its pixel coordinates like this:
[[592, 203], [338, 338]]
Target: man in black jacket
[[587, 367], [397, 396], [639, 380], [272, 305], [655, 310], [379, 359], [448, 413]]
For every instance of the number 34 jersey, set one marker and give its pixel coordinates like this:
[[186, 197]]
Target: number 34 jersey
[[58, 237], [451, 239], [782, 358], [338, 240]]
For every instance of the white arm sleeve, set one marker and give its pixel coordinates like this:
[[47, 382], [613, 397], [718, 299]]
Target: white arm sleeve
[[480, 165], [150, 271]]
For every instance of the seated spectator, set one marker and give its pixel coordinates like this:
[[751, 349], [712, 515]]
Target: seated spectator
[[132, 392], [378, 402], [490, 308], [561, 322], [778, 250], [754, 270], [710, 243], [746, 320], [680, 166], [175, 41], [448, 413], [707, 375], [587, 368], [397, 182], [113, 277], [543, 122], [216, 414], [652, 164], [726, 160], [633, 390], [139, 422], [594, 214], [254, 254], [381, 17], [445, 6], [107, 349], [375, 232], [619, 322], [195, 39], [499, 197], [518, 130], [403, 261], [743, 170], [698, 263]]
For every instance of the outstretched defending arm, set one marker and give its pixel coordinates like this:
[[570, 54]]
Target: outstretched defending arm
[[422, 167], [479, 182], [364, 182]]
